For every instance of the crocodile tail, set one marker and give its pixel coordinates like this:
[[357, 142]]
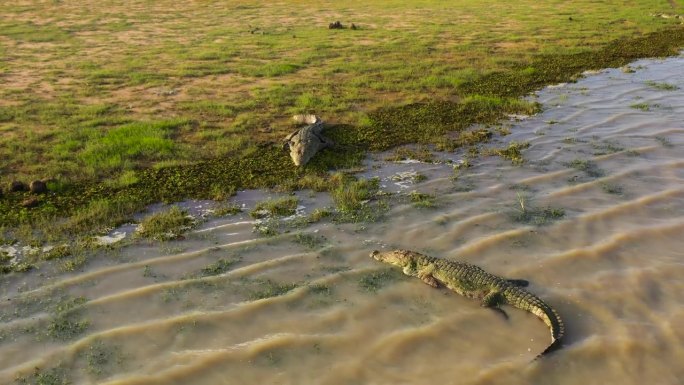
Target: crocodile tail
[[553, 320], [527, 301]]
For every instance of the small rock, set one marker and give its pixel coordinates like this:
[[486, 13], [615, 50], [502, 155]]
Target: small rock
[[29, 202], [17, 186], [38, 187]]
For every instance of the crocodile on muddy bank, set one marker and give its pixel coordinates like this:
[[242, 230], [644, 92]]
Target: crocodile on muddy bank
[[305, 142], [473, 282]]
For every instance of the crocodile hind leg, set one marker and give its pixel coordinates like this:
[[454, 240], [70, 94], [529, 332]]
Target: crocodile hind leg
[[518, 282], [430, 280], [492, 301], [425, 274]]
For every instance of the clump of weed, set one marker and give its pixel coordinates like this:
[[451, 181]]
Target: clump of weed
[[66, 322], [606, 147], [587, 166], [53, 376], [465, 138], [351, 196], [219, 267], [311, 241], [526, 213], [275, 207], [372, 282], [227, 209], [422, 200], [102, 359], [268, 227], [665, 142], [422, 154], [611, 188], [58, 252], [320, 289], [220, 191], [513, 152], [318, 214], [641, 106], [268, 288], [166, 225], [662, 86]]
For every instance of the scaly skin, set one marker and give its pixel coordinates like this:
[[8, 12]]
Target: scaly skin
[[305, 142], [473, 282]]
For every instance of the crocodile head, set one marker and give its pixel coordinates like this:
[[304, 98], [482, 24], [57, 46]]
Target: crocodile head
[[396, 257]]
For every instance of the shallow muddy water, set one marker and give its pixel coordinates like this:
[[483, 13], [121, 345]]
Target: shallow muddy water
[[228, 306]]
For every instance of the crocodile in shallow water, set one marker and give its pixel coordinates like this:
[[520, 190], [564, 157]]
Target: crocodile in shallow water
[[473, 282]]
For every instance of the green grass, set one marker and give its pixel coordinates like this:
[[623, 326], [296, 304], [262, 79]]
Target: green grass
[[130, 143], [165, 225], [352, 195], [192, 110]]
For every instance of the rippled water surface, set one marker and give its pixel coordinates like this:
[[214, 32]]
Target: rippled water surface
[[606, 154]]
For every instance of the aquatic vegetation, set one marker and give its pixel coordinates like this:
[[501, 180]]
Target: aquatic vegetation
[[166, 225], [351, 195], [227, 209], [268, 288], [513, 152], [66, 321], [374, 281], [309, 240], [612, 188], [662, 86], [641, 106], [275, 207], [665, 142], [219, 267], [422, 200], [53, 376], [58, 252], [529, 214], [422, 154], [102, 359], [587, 166]]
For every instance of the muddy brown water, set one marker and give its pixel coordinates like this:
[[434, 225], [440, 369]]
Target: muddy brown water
[[613, 267]]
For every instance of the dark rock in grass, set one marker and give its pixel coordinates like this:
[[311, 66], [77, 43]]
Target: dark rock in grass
[[335, 25], [17, 186], [38, 187], [30, 202]]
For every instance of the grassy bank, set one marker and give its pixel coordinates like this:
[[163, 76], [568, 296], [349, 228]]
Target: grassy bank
[[120, 106]]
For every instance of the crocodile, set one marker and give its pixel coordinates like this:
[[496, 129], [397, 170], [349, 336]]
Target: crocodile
[[305, 142], [473, 282]]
